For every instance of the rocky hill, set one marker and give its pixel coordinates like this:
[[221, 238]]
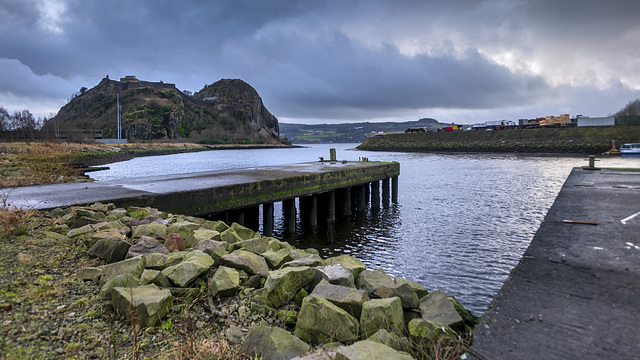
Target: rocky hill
[[228, 111]]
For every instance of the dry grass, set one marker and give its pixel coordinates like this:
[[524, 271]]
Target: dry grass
[[15, 222], [30, 163], [209, 349], [445, 348]]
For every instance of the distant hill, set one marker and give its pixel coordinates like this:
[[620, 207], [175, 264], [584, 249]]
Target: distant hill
[[348, 132], [228, 111]]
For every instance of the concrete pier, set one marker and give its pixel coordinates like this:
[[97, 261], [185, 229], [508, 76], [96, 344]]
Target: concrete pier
[[576, 292], [235, 195]]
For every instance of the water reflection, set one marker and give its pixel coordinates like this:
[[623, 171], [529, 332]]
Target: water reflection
[[462, 222]]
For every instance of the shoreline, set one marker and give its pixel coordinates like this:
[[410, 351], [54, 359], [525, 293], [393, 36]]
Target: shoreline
[[98, 159]]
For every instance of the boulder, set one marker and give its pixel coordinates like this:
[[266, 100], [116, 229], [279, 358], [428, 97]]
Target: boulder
[[185, 229], [370, 281], [243, 232], [255, 245], [156, 261], [392, 340], [427, 334], [89, 273], [403, 291], [138, 212], [53, 235], [275, 259], [112, 225], [417, 288], [225, 282], [234, 335], [218, 226], [92, 238], [469, 319], [147, 245], [230, 236], [382, 314], [437, 308], [134, 266], [150, 276], [85, 220], [346, 298], [269, 343], [174, 242], [348, 262], [215, 249], [149, 302], [151, 229], [193, 265], [276, 245], [320, 321], [74, 233], [201, 234], [310, 260], [125, 280], [336, 274], [282, 285], [247, 261], [110, 249], [370, 350]]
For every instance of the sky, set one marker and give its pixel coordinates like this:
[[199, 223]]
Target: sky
[[330, 61]]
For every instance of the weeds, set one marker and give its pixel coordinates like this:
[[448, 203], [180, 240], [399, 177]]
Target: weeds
[[448, 347], [15, 222]]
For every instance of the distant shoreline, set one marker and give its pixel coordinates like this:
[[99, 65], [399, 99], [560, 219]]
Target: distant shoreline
[[574, 141]]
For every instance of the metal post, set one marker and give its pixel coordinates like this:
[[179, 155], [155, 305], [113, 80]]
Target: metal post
[[118, 108], [267, 219], [331, 206]]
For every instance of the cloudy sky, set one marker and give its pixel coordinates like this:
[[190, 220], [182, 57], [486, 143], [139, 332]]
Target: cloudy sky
[[324, 61]]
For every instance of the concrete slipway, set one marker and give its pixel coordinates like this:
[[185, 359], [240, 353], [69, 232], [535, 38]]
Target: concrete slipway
[[576, 292], [207, 192]]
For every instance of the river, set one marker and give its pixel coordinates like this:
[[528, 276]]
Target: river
[[461, 224]]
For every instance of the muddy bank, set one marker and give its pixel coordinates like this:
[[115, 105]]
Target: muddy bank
[[592, 140]]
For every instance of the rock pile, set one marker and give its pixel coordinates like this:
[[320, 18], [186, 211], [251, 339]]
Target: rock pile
[[336, 305]]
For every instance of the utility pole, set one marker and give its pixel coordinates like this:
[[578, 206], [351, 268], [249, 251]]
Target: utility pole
[[119, 107]]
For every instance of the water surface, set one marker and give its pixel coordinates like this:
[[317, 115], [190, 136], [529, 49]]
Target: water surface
[[461, 223]]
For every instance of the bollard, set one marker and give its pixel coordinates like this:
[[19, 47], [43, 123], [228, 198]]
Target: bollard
[[592, 163], [332, 155]]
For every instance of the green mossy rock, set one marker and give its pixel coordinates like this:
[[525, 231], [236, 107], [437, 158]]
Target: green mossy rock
[[276, 259], [437, 308], [125, 280], [134, 266], [193, 265], [243, 232], [269, 343], [347, 298], [370, 350], [138, 212], [382, 314], [417, 288], [370, 281], [151, 229], [249, 262], [348, 262], [320, 321], [392, 340], [150, 303], [230, 236], [225, 282], [282, 285]]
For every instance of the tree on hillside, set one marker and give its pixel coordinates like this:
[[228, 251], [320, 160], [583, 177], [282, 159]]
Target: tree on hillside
[[632, 108], [5, 119]]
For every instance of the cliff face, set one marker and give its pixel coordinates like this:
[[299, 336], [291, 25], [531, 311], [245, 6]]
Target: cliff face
[[156, 110], [246, 102]]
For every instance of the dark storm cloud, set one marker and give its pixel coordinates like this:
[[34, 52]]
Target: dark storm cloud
[[328, 59]]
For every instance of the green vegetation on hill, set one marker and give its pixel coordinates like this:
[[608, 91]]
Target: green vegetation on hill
[[585, 140], [151, 111], [349, 132]]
